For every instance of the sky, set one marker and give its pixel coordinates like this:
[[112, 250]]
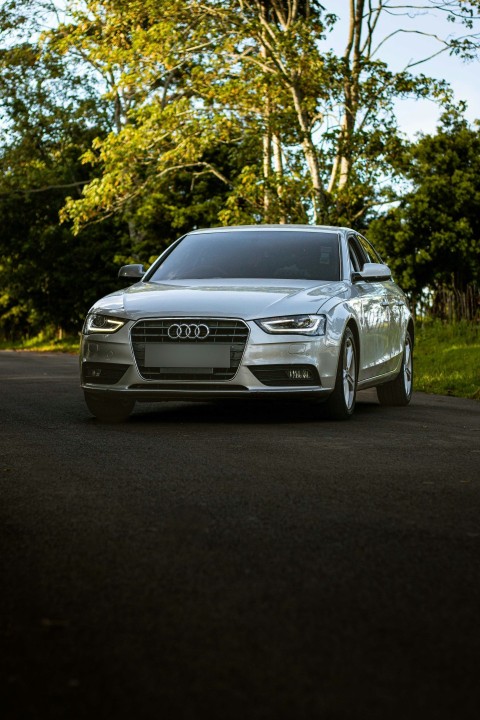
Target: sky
[[464, 77]]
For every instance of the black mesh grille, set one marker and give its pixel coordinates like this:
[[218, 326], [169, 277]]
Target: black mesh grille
[[227, 332], [278, 375]]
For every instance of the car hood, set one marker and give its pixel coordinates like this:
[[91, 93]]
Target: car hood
[[247, 299]]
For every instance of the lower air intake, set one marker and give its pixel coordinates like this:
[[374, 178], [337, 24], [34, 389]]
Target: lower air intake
[[286, 375]]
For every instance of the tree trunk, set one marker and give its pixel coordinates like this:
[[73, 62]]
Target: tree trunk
[[267, 154], [278, 166], [310, 154], [342, 165]]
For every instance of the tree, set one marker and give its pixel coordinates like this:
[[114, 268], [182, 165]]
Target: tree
[[143, 55], [54, 111], [156, 116], [432, 237], [186, 75], [47, 275]]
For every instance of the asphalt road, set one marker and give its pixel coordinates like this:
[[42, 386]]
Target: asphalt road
[[236, 561]]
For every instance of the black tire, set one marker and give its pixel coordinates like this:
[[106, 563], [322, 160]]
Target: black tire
[[106, 409], [341, 403], [398, 392]]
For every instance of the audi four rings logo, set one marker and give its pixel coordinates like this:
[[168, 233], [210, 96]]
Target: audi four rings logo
[[188, 332]]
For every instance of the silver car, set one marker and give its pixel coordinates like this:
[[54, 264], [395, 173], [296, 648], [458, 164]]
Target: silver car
[[265, 311]]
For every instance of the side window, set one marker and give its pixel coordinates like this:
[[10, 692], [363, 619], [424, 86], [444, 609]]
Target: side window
[[356, 253], [369, 250], [354, 264]]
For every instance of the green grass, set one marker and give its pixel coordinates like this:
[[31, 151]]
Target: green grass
[[44, 342], [447, 356]]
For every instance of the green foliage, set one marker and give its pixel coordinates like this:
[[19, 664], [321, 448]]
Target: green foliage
[[179, 87], [47, 276], [432, 237]]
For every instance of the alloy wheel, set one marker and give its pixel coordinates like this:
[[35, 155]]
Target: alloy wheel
[[349, 373]]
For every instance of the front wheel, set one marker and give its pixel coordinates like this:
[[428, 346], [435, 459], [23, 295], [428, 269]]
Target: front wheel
[[108, 409], [341, 403], [398, 392]]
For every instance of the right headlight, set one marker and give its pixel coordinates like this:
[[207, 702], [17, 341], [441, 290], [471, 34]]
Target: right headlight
[[297, 324], [97, 323]]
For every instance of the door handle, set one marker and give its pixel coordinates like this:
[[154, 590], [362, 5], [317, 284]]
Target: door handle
[[384, 304]]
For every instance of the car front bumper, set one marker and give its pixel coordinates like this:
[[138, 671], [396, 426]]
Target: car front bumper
[[111, 356]]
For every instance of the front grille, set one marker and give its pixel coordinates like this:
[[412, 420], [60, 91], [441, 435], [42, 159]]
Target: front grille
[[279, 375], [229, 333]]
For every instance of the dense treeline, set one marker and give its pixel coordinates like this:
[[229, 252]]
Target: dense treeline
[[128, 122]]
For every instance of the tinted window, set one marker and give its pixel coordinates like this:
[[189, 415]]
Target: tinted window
[[253, 254], [369, 250], [357, 256]]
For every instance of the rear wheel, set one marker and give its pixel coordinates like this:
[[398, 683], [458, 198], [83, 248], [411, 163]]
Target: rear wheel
[[109, 409], [341, 403], [398, 392]]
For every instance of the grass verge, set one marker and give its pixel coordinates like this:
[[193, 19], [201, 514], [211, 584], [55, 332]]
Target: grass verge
[[44, 342], [447, 358]]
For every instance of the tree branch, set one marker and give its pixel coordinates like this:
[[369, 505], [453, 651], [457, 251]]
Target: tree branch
[[45, 188]]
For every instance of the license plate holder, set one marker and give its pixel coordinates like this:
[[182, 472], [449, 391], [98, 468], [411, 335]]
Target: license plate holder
[[194, 355]]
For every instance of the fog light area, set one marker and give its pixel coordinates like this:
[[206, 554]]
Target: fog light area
[[102, 373], [299, 374], [286, 375]]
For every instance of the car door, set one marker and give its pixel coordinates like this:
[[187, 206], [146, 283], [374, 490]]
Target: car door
[[398, 309], [375, 315]]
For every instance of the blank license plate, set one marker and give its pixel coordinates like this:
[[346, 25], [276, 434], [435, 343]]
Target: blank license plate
[[187, 356]]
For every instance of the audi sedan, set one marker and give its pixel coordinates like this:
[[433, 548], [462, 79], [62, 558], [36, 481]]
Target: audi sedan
[[267, 311]]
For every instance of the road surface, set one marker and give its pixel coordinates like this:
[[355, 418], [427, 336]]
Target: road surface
[[235, 561]]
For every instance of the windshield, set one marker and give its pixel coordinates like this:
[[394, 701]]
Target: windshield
[[284, 254]]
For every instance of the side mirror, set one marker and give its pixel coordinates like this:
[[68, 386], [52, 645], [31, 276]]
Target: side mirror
[[373, 271], [131, 272]]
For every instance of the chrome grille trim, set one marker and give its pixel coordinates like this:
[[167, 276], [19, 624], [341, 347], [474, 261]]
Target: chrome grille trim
[[230, 331]]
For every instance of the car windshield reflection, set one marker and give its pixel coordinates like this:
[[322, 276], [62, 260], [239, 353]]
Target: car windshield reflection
[[285, 255]]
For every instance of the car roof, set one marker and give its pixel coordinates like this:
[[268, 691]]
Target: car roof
[[237, 228]]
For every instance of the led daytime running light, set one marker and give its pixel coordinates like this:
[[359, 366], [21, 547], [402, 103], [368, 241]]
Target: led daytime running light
[[103, 324], [296, 324]]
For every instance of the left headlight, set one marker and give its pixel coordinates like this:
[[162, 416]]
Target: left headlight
[[96, 323], [298, 324]]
